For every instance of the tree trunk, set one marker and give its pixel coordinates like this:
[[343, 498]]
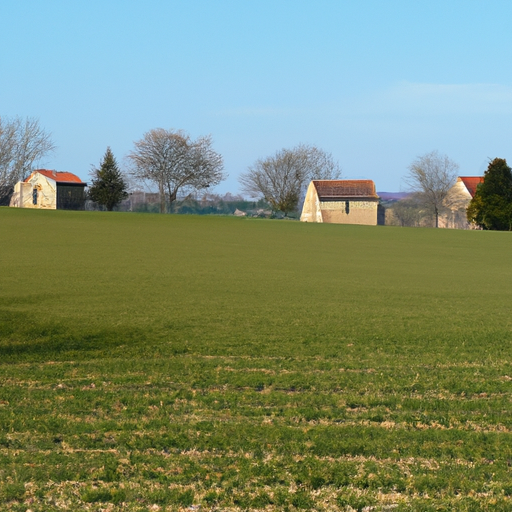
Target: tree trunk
[[172, 199], [161, 190]]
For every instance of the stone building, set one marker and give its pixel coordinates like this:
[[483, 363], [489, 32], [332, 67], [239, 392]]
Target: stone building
[[457, 202], [342, 202], [49, 190]]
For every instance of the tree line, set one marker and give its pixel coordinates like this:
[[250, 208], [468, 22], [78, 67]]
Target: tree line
[[174, 163], [171, 161]]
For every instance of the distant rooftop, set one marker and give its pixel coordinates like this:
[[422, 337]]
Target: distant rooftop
[[471, 182], [59, 177], [345, 189]]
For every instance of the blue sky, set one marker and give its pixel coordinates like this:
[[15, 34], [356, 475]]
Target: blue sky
[[376, 83]]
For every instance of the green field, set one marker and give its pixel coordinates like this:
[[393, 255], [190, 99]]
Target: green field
[[169, 362]]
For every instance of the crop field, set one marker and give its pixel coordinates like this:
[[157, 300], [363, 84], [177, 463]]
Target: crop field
[[154, 363]]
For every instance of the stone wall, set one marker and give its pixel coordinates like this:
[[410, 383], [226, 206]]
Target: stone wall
[[456, 204], [311, 208], [349, 212], [40, 188]]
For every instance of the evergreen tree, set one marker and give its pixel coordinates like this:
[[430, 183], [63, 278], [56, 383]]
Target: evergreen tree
[[108, 187], [491, 208]]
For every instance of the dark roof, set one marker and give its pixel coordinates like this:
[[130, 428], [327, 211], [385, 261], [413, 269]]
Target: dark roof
[[471, 182], [332, 190], [59, 177]]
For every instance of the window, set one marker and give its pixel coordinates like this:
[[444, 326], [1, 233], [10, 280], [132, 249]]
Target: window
[[34, 196], [347, 207]]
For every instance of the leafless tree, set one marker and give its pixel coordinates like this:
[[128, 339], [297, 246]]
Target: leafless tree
[[281, 178], [431, 176], [173, 161], [23, 143]]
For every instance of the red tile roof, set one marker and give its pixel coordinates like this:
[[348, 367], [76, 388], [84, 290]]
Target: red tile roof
[[59, 177], [471, 182], [345, 189]]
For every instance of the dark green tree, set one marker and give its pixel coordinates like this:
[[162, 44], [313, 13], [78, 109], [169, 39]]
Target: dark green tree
[[491, 207], [108, 187]]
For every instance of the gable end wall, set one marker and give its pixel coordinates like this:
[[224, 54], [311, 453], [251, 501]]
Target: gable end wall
[[311, 208]]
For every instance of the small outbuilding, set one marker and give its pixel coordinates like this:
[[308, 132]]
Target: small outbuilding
[[50, 190], [342, 202]]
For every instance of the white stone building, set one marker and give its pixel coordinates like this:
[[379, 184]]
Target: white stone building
[[49, 190], [457, 202]]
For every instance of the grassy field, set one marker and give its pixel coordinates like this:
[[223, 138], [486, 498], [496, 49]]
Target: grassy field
[[178, 362]]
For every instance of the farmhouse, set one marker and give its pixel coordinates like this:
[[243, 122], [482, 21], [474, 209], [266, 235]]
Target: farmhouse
[[342, 202], [457, 202], [50, 190]]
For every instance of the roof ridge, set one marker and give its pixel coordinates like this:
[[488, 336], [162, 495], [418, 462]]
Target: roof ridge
[[345, 189]]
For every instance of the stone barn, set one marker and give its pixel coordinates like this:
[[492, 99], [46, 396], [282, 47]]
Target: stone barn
[[457, 202], [50, 190], [342, 202]]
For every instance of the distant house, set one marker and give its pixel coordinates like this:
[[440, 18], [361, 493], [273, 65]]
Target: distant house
[[49, 190], [457, 202], [342, 202]]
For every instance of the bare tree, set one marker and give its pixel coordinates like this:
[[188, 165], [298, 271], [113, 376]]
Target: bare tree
[[173, 161], [281, 178], [23, 143], [431, 176]]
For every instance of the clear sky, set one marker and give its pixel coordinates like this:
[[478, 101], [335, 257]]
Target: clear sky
[[376, 83]]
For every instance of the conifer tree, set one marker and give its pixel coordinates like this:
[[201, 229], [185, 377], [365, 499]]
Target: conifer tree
[[491, 208], [108, 187]]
